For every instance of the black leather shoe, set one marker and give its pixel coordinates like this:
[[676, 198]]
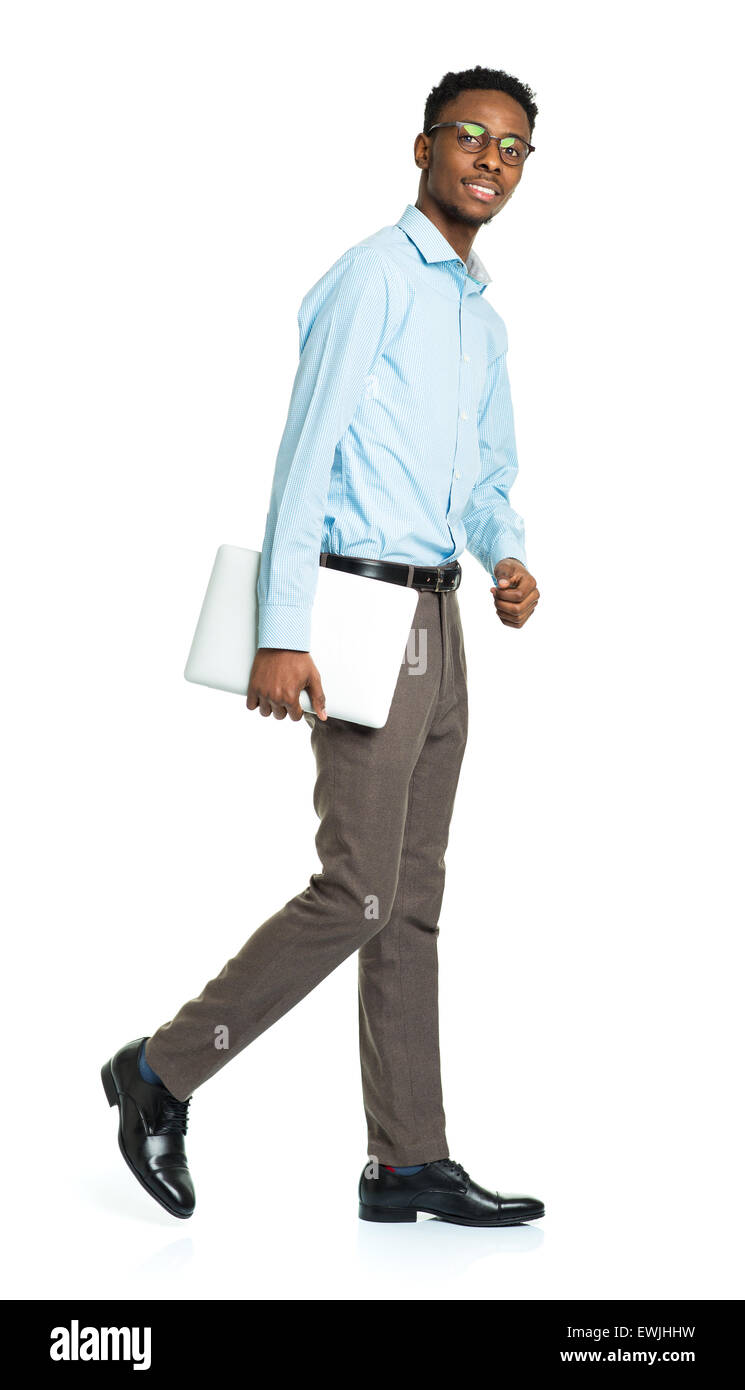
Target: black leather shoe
[[445, 1190], [152, 1125]]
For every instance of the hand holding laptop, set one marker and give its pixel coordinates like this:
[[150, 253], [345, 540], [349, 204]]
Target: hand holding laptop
[[277, 677]]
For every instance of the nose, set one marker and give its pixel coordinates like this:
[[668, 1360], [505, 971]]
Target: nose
[[489, 158]]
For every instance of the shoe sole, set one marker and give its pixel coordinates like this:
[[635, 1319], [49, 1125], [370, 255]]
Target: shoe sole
[[401, 1214], [112, 1096]]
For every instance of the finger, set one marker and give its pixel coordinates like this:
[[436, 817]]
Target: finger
[[279, 710], [517, 619], [252, 698], [523, 591], [294, 707], [317, 697], [515, 596], [516, 611], [265, 706]]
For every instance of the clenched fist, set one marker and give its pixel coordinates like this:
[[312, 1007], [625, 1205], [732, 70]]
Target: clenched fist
[[515, 595]]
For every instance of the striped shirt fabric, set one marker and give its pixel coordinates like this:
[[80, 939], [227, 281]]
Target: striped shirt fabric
[[399, 442]]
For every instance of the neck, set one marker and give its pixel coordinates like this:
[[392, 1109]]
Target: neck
[[459, 235]]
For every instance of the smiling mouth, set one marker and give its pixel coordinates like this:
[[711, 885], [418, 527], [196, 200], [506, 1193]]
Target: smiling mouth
[[486, 192]]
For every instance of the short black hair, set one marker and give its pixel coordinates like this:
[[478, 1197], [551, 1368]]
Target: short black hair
[[488, 79]]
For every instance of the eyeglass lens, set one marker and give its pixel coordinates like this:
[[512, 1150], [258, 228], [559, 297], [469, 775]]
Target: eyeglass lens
[[475, 137]]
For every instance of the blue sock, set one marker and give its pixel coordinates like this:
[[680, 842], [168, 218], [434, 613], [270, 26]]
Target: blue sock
[[406, 1172], [146, 1071]]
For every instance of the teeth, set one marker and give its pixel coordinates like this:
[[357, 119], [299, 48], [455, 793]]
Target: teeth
[[484, 188]]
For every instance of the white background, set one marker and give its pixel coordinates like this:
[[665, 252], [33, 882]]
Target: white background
[[157, 245]]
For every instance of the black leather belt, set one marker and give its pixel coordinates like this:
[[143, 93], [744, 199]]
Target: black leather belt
[[439, 580]]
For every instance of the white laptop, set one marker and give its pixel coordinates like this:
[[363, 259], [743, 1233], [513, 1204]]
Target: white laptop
[[359, 633]]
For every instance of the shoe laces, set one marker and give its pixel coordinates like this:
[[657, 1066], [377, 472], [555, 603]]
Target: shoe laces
[[456, 1169], [175, 1115]]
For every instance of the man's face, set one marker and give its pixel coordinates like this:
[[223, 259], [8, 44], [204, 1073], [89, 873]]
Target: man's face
[[450, 169]]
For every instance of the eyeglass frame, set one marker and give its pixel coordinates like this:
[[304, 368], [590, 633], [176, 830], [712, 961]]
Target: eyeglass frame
[[440, 125]]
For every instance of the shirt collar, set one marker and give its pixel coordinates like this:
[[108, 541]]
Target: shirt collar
[[434, 246]]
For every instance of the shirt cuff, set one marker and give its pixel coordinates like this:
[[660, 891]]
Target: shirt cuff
[[508, 547], [282, 626]]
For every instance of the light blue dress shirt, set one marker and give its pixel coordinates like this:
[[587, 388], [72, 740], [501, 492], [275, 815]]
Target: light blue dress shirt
[[399, 442]]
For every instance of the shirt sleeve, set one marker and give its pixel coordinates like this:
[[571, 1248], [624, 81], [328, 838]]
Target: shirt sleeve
[[494, 530], [355, 316]]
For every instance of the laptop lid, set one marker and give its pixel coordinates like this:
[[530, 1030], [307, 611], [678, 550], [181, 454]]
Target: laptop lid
[[359, 633]]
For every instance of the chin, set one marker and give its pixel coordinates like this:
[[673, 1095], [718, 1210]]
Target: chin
[[486, 216], [469, 215]]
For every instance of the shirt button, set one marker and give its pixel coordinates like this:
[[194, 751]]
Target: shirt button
[[463, 415], [457, 475], [466, 357]]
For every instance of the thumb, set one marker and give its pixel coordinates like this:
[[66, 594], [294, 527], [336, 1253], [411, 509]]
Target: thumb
[[505, 574], [315, 690]]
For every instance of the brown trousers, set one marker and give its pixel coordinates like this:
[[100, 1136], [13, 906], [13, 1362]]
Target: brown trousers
[[384, 798]]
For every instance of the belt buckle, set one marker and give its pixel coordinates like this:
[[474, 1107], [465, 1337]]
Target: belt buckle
[[439, 589]]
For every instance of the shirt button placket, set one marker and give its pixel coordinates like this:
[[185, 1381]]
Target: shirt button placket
[[464, 358]]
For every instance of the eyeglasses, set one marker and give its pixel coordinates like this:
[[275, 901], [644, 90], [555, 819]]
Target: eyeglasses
[[513, 150]]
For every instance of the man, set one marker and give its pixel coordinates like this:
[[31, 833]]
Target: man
[[398, 452]]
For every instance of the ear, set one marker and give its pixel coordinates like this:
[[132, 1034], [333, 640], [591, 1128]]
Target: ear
[[421, 151]]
